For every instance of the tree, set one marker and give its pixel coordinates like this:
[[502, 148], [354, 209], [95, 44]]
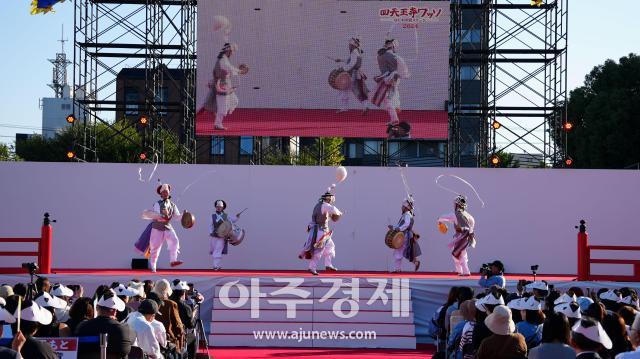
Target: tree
[[308, 155], [606, 115], [506, 160], [119, 142], [7, 153]]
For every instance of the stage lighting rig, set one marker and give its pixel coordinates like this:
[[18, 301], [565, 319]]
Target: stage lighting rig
[[71, 119], [568, 161], [496, 125]]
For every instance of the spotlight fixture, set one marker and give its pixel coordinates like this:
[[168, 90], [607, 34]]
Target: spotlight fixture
[[71, 118], [143, 156], [537, 3], [71, 154], [568, 161], [143, 120], [496, 125], [567, 126], [494, 160]]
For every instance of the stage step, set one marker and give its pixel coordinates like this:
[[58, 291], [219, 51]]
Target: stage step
[[319, 312]]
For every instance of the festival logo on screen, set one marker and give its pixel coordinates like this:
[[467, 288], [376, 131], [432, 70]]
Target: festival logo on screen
[[410, 14]]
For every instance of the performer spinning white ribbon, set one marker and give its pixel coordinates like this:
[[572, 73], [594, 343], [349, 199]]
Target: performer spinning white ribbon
[[410, 248], [162, 230], [464, 235], [319, 243], [219, 245]]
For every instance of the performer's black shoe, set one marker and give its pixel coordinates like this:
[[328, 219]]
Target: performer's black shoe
[[331, 268], [463, 275], [417, 264], [176, 263], [216, 268], [312, 271]]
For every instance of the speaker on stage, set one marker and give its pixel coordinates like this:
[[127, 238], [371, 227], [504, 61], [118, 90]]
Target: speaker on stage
[[139, 263]]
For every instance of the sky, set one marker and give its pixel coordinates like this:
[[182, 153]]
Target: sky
[[598, 30]]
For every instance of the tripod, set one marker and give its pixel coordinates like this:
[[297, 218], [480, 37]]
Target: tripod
[[32, 292], [201, 336]]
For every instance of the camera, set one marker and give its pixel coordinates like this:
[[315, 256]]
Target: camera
[[485, 268], [193, 294], [31, 267], [534, 268]]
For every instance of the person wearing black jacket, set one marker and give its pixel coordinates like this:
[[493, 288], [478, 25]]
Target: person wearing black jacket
[[187, 315], [120, 337]]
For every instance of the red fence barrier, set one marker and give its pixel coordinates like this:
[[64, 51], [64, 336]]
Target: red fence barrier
[[43, 253], [585, 260]]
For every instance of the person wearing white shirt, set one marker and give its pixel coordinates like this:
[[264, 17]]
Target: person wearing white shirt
[[162, 230], [464, 235], [319, 244], [149, 336], [358, 87], [410, 248], [219, 245]]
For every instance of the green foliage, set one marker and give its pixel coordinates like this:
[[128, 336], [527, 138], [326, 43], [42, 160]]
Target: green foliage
[[309, 155], [506, 161], [7, 153], [119, 142], [606, 115]]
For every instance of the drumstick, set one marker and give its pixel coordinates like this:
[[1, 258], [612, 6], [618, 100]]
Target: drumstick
[[239, 213], [332, 59]]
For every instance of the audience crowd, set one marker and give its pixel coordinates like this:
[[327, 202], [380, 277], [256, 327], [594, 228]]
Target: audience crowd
[[143, 319], [537, 321]]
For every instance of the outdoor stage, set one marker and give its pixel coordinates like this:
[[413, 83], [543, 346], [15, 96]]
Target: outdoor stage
[[524, 222]]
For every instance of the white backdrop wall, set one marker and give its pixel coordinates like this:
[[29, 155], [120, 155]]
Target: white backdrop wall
[[529, 216]]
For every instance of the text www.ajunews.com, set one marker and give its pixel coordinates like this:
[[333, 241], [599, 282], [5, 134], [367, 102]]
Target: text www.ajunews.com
[[300, 335]]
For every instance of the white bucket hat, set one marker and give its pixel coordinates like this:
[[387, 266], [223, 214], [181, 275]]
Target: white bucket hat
[[125, 291], [139, 287], [5, 316], [33, 312], [60, 290], [531, 304], [110, 300], [565, 298], [611, 295], [571, 310], [516, 304], [178, 284], [46, 300], [594, 332], [500, 322], [537, 285], [629, 301], [488, 299]]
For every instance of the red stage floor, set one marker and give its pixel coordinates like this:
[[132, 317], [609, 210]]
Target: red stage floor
[[333, 353], [322, 123], [256, 273]]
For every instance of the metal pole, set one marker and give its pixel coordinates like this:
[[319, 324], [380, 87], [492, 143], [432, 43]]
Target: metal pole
[[103, 345]]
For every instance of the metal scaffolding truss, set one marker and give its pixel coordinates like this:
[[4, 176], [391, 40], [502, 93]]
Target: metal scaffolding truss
[[154, 35], [520, 60]]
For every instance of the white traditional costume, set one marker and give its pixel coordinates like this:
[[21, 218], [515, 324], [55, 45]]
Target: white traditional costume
[[319, 243], [163, 231]]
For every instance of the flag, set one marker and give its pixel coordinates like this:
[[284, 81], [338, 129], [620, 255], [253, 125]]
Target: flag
[[43, 6]]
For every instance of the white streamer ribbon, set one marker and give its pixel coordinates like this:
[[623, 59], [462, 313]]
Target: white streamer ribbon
[[463, 181]]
